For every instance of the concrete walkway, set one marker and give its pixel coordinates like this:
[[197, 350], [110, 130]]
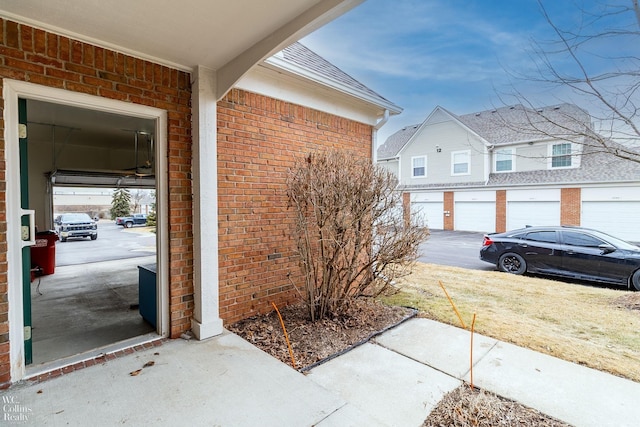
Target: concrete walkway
[[395, 380]]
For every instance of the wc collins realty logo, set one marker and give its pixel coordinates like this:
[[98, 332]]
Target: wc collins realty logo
[[13, 411]]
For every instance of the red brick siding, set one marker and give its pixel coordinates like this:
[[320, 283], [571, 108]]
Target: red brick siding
[[570, 206], [258, 140], [501, 211], [406, 208], [48, 59], [448, 207]]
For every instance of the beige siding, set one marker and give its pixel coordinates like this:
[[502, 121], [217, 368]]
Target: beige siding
[[391, 166], [531, 157]]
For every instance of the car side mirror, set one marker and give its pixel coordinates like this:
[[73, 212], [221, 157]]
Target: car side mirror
[[607, 249]]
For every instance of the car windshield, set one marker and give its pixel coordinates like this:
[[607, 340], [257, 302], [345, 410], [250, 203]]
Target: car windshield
[[618, 243], [75, 217]]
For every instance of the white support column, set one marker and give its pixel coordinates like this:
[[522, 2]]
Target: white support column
[[206, 320]]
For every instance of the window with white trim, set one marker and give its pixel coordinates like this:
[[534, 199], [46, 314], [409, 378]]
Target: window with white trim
[[561, 155], [419, 167], [504, 160], [460, 162]]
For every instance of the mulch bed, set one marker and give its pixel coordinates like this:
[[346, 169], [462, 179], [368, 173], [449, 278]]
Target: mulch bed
[[313, 342]]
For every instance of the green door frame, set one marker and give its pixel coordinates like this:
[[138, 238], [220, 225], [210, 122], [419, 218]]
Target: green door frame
[[24, 222]]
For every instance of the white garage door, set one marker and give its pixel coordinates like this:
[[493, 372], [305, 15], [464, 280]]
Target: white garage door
[[521, 214], [432, 212], [475, 216], [618, 218]]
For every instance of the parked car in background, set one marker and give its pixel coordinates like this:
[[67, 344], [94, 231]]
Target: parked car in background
[[573, 252], [76, 224], [130, 221]]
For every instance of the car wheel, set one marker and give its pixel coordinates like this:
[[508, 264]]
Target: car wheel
[[634, 281], [94, 237], [128, 224], [63, 239], [512, 263]]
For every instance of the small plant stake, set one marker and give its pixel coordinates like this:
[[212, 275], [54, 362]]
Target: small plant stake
[[473, 325], [453, 305], [286, 336]]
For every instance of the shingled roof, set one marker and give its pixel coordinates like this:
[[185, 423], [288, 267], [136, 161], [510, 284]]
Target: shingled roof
[[300, 56], [517, 123], [395, 142]]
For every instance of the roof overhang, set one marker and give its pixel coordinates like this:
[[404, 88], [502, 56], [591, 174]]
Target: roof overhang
[[229, 37], [275, 62]]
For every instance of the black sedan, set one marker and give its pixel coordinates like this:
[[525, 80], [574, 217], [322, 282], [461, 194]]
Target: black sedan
[[573, 252]]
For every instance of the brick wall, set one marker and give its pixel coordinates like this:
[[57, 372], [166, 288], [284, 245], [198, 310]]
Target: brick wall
[[501, 211], [259, 139], [570, 206], [44, 58], [406, 208], [448, 207]]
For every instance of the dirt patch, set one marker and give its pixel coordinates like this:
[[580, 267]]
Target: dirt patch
[[629, 301]]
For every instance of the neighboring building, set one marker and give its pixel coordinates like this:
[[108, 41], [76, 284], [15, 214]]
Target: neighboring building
[[97, 201], [229, 111], [501, 169]]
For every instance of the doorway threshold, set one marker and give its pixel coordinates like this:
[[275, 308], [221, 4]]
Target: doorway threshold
[[56, 368]]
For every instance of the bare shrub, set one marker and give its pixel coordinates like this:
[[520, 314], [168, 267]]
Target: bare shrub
[[352, 238]]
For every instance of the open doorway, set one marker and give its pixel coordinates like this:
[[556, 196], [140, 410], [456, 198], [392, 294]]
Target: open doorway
[[87, 296]]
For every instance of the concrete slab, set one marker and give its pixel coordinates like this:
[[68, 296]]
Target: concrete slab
[[223, 381], [349, 416], [435, 344], [84, 307], [393, 389], [578, 395]]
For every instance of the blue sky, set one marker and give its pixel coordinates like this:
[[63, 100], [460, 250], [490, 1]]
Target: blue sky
[[458, 54]]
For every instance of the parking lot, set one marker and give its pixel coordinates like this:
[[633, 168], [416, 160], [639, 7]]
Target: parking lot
[[113, 242], [454, 248]]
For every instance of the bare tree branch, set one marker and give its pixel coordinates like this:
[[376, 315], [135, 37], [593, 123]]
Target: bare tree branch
[[611, 89]]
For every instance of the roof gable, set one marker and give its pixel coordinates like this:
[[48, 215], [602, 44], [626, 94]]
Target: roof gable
[[401, 139]]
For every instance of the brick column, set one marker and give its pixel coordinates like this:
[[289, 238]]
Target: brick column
[[448, 210], [570, 206], [501, 211], [406, 208]]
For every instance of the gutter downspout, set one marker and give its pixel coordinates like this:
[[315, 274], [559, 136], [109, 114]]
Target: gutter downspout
[[374, 137], [488, 163]]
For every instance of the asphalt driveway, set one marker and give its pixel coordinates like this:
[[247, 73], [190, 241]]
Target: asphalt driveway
[[454, 248]]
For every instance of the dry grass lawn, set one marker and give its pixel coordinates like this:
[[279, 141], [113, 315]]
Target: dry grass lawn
[[590, 325]]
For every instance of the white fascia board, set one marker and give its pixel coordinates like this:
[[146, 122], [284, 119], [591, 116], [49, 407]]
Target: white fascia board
[[295, 89], [286, 66]]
